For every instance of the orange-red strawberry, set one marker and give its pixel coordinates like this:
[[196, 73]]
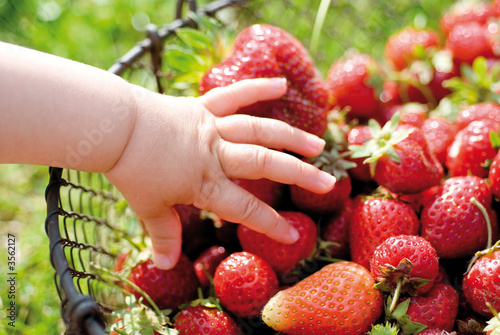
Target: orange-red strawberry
[[467, 41], [406, 260], [453, 221], [337, 299], [440, 134], [481, 284], [336, 229], [282, 257], [401, 47], [244, 283], [197, 320], [494, 176], [399, 156], [348, 85], [358, 135], [268, 51], [472, 150], [438, 308], [464, 12], [376, 219], [476, 112], [334, 163], [207, 262], [167, 288]]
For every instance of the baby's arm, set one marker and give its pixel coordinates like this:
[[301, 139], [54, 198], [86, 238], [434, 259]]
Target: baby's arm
[[157, 150]]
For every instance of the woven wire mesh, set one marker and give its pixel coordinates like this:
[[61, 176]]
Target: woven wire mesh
[[88, 221]]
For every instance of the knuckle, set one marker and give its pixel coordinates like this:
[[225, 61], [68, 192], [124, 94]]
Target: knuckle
[[251, 208]]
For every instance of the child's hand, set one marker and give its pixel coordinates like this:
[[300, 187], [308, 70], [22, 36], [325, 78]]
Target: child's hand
[[185, 150]]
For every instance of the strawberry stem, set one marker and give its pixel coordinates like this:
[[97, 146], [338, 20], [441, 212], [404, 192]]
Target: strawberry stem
[[318, 26], [487, 218], [397, 292], [128, 282]]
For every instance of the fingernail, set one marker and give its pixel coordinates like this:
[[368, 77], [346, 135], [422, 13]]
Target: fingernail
[[327, 180], [163, 262], [293, 235], [315, 142], [279, 83]]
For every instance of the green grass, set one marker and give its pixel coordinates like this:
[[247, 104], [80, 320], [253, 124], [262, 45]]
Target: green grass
[[99, 32]]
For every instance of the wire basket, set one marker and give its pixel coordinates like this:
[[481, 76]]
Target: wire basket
[[87, 218]]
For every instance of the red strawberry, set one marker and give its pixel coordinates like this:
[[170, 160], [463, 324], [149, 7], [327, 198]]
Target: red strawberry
[[476, 112], [399, 156], [337, 299], [266, 190], [167, 288], [244, 283], [282, 257], [467, 41], [196, 320], [438, 308], [333, 163], [197, 234], [481, 283], [376, 219], [472, 149], [453, 223], [348, 85], [207, 262], [336, 229], [494, 176], [464, 12], [356, 136], [401, 47], [440, 134], [268, 51], [406, 260]]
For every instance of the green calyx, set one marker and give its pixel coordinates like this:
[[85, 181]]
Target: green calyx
[[382, 142], [400, 276], [334, 163]]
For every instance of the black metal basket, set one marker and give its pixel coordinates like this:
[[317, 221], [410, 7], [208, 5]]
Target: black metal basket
[[87, 218]]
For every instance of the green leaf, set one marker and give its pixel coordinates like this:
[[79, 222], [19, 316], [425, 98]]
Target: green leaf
[[194, 38], [182, 60], [495, 139], [386, 329]]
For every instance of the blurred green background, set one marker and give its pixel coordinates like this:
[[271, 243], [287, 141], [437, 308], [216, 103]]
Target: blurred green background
[[98, 32]]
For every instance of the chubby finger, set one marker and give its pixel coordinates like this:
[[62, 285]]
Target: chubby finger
[[254, 162], [232, 203], [166, 236], [226, 100], [272, 133]]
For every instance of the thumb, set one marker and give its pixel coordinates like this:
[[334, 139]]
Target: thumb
[[166, 236]]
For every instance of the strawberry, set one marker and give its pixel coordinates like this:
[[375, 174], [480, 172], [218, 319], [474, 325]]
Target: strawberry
[[435, 331], [197, 233], [401, 47], [282, 257], [196, 320], [266, 190], [207, 262], [337, 299], [454, 222], [348, 84], [405, 260], [438, 308], [167, 288], [464, 12], [336, 229], [399, 155], [376, 219], [472, 150], [268, 51], [333, 163], [467, 41], [481, 283], [244, 283], [494, 176], [439, 133], [358, 135], [477, 112]]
